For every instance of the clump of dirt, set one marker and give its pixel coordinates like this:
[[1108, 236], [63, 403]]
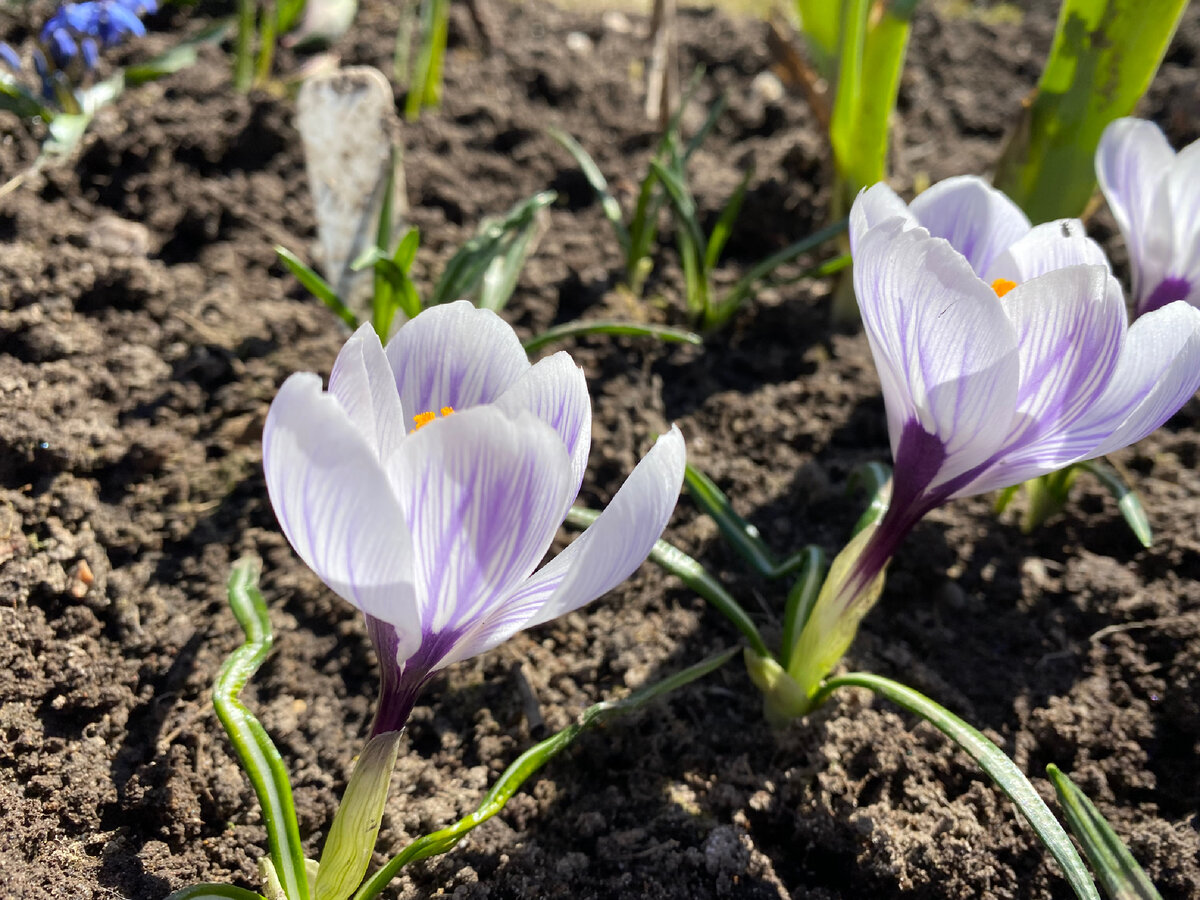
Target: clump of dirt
[[145, 326]]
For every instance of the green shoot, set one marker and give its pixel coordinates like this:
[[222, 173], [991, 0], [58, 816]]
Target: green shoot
[[1104, 55], [425, 80]]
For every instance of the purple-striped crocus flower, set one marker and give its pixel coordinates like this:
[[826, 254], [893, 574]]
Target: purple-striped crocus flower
[[1004, 354], [1154, 194], [428, 481]]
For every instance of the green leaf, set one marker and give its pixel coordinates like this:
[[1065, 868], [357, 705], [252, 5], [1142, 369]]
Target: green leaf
[[875, 479], [1120, 876], [820, 21], [643, 229], [1127, 499], [527, 764], [500, 278], [723, 228], [425, 85], [671, 559], [741, 535], [582, 327], [991, 759], [18, 99], [466, 269], [254, 748], [801, 600], [871, 57], [744, 286], [243, 46], [178, 58], [595, 178], [1004, 498], [682, 204], [1104, 55], [351, 840], [316, 285], [288, 14], [214, 892], [406, 250]]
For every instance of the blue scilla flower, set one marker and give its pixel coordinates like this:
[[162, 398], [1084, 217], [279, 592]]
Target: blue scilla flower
[[9, 57], [79, 30]]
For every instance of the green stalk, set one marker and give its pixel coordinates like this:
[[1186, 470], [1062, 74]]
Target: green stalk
[[1002, 770], [1104, 55]]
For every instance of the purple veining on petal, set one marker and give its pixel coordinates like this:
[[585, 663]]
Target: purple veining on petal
[[1168, 290], [401, 684]]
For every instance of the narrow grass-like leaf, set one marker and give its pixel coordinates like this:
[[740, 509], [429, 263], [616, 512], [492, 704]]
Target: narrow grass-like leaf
[[1104, 55], [254, 748], [582, 327], [875, 480], [214, 892], [599, 185], [18, 99], [500, 278], [801, 599], [424, 87], [743, 537], [991, 759], [695, 576], [1121, 878], [351, 841], [744, 286], [179, 57], [316, 285], [465, 270], [723, 228], [1127, 499], [527, 764], [243, 46]]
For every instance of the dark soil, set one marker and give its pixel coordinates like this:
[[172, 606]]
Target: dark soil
[[136, 365]]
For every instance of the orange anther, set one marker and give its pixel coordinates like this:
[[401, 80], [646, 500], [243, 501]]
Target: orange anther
[[1002, 286]]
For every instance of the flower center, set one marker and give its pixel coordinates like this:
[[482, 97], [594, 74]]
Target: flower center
[[1001, 286], [423, 419]]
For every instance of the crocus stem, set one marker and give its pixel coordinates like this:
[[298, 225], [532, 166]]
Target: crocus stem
[[1002, 770]]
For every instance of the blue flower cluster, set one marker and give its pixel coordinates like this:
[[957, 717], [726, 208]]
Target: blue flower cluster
[[79, 31], [82, 29]]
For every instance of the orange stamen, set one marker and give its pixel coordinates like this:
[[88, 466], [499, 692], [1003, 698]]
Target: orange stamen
[[423, 419], [1002, 286]]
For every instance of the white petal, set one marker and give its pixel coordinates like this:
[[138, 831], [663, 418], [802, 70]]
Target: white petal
[[979, 221], [336, 506], [555, 390], [454, 355], [1183, 189], [1158, 371], [873, 206], [362, 382], [945, 350], [1046, 247], [1131, 161], [1070, 325], [483, 495], [599, 559]]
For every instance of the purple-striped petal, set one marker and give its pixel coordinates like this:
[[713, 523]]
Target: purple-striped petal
[[362, 382], [1182, 186], [1049, 246], [945, 350], [599, 559], [1131, 160], [1158, 371], [334, 504], [483, 494], [454, 355], [555, 390], [979, 221], [1070, 324], [874, 206]]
